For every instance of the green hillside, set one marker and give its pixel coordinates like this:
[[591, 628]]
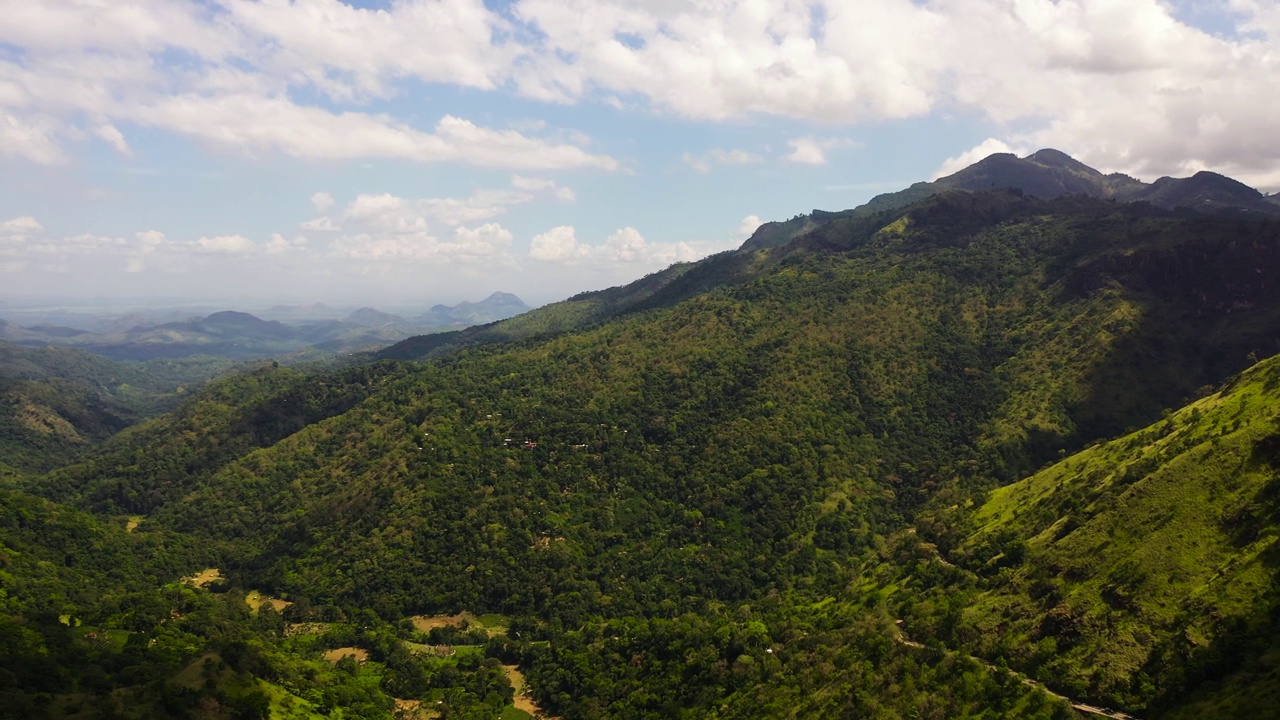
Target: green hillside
[[713, 492], [57, 402], [1140, 568]]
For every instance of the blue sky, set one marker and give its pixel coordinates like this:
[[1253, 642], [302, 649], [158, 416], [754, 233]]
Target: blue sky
[[421, 151]]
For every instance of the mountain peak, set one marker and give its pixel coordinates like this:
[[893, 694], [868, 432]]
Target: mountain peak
[[1046, 173], [503, 298], [1055, 158]]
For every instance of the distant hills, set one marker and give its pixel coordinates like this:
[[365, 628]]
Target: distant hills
[[235, 335], [1044, 174]]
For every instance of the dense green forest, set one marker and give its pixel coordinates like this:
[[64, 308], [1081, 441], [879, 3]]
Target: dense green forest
[[895, 468], [57, 402]]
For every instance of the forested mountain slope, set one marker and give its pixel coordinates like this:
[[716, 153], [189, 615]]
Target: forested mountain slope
[[57, 402], [699, 504], [1134, 572]]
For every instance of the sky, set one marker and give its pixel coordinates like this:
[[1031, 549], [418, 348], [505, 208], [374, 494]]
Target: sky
[[419, 151]]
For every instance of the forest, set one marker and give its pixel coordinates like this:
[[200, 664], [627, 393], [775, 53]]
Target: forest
[[985, 455]]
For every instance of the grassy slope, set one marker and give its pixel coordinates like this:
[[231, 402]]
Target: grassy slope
[[1146, 558]]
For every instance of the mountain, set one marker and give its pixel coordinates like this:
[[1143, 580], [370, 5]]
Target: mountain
[[498, 306], [985, 454], [712, 492], [1046, 174], [243, 336], [370, 317]]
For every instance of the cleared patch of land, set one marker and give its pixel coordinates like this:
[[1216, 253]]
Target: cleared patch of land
[[521, 700], [337, 654], [204, 578], [308, 628], [255, 600], [413, 710], [133, 522], [427, 623]]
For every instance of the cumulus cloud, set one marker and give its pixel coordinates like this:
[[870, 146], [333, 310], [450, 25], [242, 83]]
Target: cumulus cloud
[[536, 185], [625, 246], [813, 151], [230, 244], [704, 163], [20, 227], [33, 138], [749, 225], [322, 201], [391, 214], [280, 245], [320, 224], [240, 60], [24, 239], [255, 124], [557, 244], [1122, 85], [1125, 86], [388, 228], [489, 243]]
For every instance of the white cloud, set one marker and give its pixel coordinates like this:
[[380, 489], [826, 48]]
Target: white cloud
[[254, 124], [113, 137], [322, 201], [625, 246], [33, 138], [704, 163], [543, 185], [557, 244], [350, 52], [320, 224], [388, 228], [20, 227], [388, 213], [230, 244], [813, 151], [279, 244], [489, 243], [1122, 85], [749, 225], [239, 62]]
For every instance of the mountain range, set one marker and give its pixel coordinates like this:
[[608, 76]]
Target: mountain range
[[1044, 174], [964, 452], [243, 336]]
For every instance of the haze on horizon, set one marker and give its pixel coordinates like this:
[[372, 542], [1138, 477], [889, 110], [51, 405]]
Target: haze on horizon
[[422, 151]]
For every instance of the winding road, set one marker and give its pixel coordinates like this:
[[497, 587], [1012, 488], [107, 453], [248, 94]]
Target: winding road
[[1083, 707]]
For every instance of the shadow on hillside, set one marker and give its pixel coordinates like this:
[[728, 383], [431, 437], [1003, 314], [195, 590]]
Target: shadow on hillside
[[1210, 303], [1236, 675]]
